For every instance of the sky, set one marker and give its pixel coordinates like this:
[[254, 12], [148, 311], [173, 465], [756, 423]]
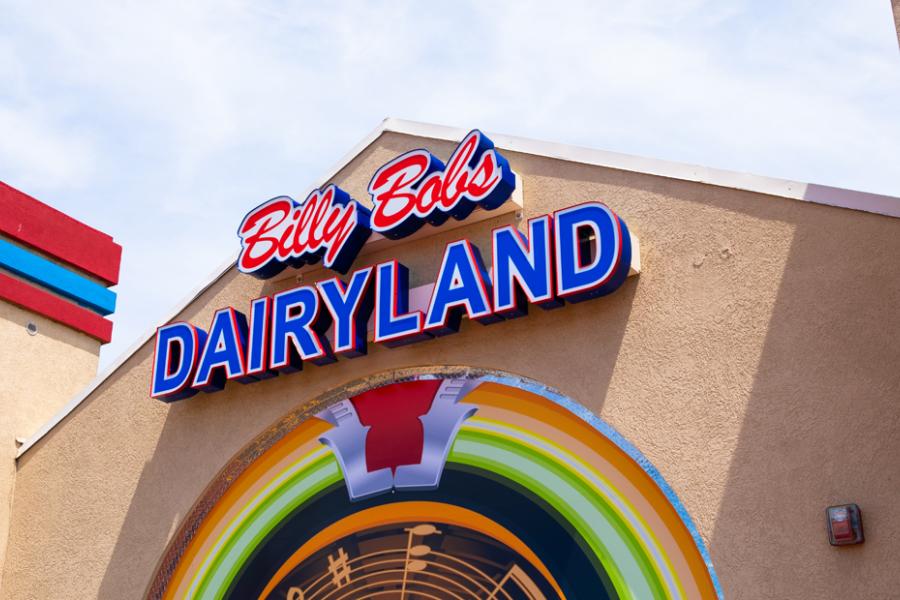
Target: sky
[[163, 123]]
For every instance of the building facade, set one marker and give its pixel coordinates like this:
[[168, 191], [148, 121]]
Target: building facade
[[54, 275], [896, 6], [674, 372]]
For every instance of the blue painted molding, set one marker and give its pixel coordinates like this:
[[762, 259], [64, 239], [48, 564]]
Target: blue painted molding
[[54, 277]]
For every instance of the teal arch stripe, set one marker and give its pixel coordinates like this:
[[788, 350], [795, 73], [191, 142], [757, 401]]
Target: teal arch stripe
[[629, 568], [633, 572], [50, 275], [619, 440]]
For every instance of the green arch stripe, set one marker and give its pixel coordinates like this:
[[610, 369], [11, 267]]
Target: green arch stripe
[[599, 485], [277, 505], [629, 568]]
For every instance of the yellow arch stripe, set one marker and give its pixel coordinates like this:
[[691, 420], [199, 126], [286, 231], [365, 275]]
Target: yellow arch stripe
[[517, 401], [501, 403]]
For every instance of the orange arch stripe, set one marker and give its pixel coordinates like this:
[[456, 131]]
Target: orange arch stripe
[[404, 512], [517, 401]]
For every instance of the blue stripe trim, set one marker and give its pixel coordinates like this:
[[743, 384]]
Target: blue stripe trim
[[52, 276]]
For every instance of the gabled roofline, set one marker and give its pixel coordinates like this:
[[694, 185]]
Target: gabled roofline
[[783, 188]]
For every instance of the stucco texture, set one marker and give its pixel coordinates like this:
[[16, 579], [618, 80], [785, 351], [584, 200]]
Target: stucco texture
[[896, 6], [754, 361], [30, 392]]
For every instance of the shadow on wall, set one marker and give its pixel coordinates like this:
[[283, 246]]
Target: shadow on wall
[[813, 428], [822, 424], [199, 437], [819, 424]]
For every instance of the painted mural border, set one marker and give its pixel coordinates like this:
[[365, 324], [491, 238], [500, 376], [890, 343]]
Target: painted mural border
[[176, 548]]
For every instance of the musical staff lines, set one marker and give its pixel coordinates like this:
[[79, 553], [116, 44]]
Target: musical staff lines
[[418, 551], [521, 578], [414, 570]]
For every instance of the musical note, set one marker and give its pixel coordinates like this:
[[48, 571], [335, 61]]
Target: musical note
[[295, 593], [339, 569], [418, 551], [520, 578], [428, 564]]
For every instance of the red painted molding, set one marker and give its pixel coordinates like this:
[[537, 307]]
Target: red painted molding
[[62, 311], [32, 222]]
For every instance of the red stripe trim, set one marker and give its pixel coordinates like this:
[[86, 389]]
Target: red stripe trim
[[34, 223], [44, 303]]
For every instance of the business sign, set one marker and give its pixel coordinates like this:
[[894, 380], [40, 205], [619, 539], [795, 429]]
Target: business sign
[[574, 254], [407, 192], [453, 487]]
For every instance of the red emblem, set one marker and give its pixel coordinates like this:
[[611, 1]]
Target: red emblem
[[397, 436]]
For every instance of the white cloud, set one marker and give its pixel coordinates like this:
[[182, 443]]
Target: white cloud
[[162, 123], [34, 150]]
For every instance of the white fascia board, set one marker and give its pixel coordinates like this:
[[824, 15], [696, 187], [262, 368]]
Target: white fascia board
[[818, 194], [784, 188]]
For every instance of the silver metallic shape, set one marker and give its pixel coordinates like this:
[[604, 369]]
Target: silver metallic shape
[[440, 423], [348, 442], [347, 439]]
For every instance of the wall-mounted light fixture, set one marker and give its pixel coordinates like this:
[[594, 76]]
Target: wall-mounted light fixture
[[844, 525]]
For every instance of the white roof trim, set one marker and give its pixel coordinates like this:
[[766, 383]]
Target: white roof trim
[[818, 194], [795, 190]]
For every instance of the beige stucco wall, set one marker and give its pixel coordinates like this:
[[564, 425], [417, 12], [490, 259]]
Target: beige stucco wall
[[38, 374], [754, 362], [896, 6]]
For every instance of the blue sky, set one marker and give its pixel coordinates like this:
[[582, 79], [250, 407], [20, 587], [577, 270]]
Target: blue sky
[[163, 123]]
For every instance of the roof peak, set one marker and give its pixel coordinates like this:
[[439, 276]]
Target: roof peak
[[783, 188], [771, 186]]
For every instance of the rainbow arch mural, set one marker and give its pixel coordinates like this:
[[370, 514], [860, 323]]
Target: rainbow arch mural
[[536, 498]]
